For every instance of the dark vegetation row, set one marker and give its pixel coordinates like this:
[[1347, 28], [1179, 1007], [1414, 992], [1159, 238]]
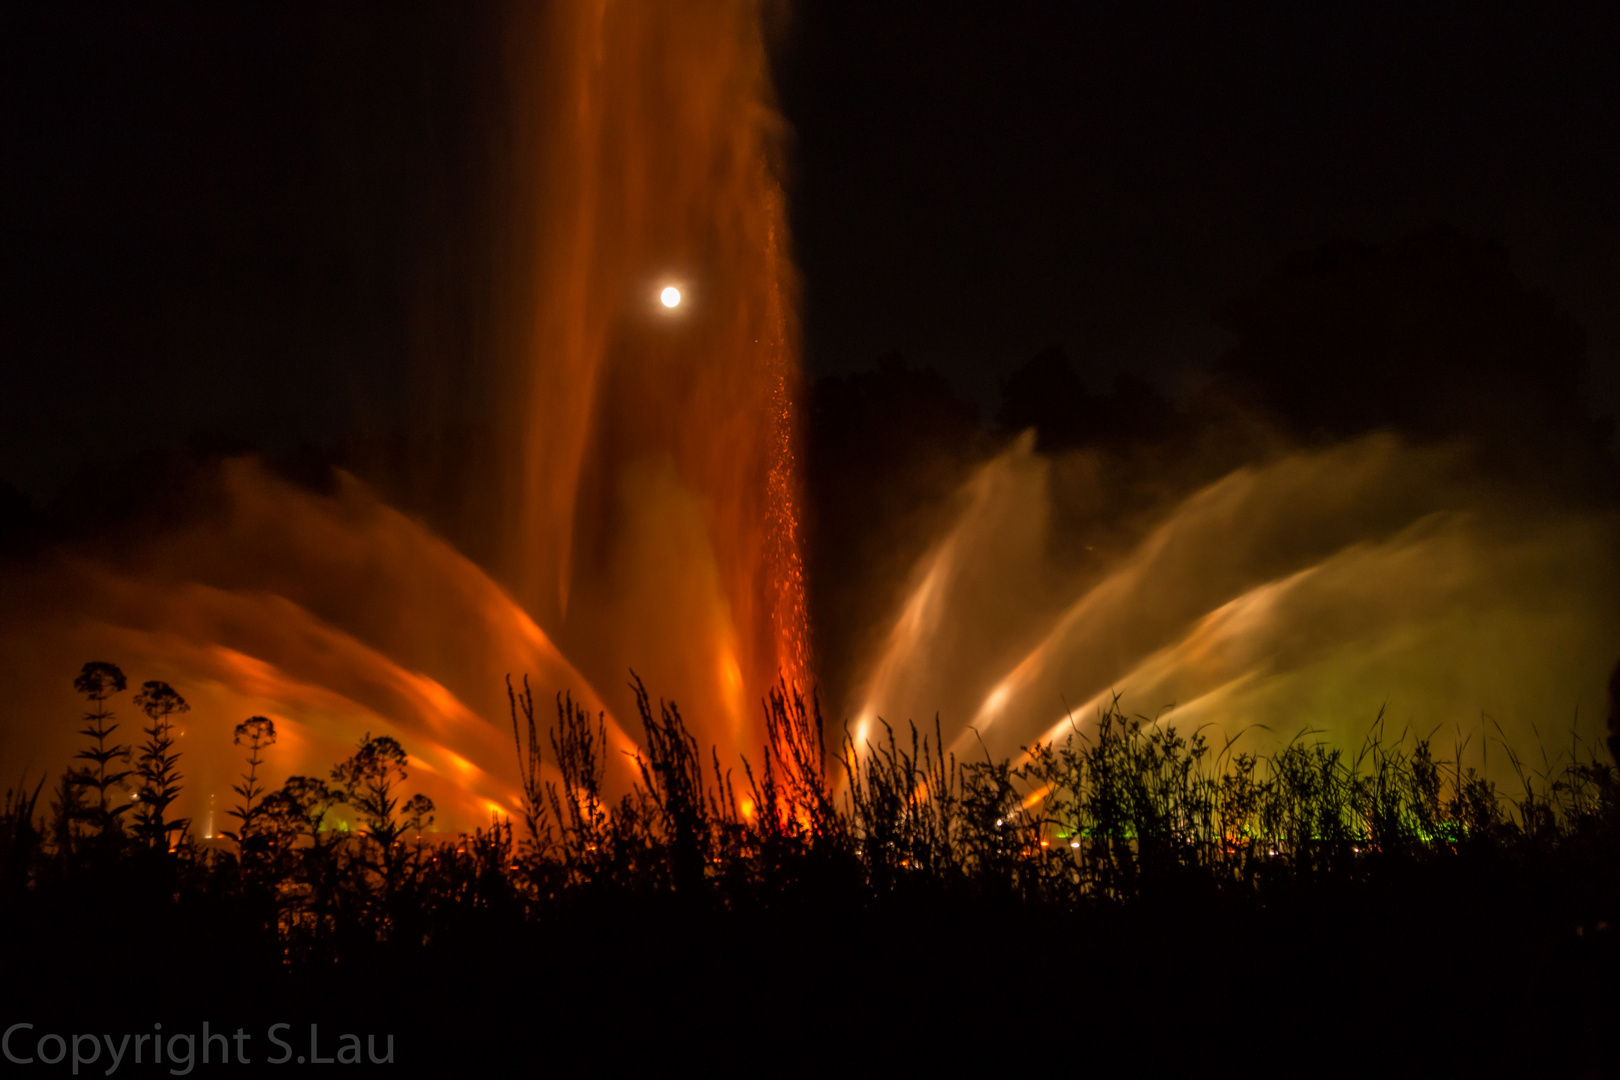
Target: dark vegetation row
[[884, 893]]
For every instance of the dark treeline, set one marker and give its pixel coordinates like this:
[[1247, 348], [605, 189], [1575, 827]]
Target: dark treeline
[[885, 905]]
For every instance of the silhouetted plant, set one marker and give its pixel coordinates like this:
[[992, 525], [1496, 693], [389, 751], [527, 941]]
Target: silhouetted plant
[[158, 766], [99, 681], [1121, 810], [253, 845], [68, 813], [579, 743], [304, 854], [672, 776], [536, 820], [367, 781], [20, 838], [792, 796]]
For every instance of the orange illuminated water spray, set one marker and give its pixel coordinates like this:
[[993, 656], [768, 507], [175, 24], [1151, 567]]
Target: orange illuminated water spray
[[789, 615], [643, 508]]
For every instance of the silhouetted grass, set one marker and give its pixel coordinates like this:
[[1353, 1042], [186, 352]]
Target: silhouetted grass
[[1128, 879]]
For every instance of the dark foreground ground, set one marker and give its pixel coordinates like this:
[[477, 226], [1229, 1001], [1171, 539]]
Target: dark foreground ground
[[1155, 914], [1471, 968]]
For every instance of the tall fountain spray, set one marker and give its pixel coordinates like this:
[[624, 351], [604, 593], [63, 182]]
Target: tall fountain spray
[[647, 517], [652, 514]]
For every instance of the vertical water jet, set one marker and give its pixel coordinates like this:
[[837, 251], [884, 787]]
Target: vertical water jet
[[652, 504]]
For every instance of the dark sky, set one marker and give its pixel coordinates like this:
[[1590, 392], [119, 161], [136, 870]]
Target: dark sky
[[971, 188], [231, 218]]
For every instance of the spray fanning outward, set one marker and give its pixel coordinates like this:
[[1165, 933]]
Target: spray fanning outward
[[1306, 594], [648, 374]]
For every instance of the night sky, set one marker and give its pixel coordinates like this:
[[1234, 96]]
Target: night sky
[[256, 222], [1104, 176]]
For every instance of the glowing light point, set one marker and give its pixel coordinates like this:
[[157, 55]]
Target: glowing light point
[[671, 296]]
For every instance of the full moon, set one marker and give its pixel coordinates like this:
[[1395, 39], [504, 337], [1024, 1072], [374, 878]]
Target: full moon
[[670, 296]]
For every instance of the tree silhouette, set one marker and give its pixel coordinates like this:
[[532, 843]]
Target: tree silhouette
[[1047, 394], [1433, 335]]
